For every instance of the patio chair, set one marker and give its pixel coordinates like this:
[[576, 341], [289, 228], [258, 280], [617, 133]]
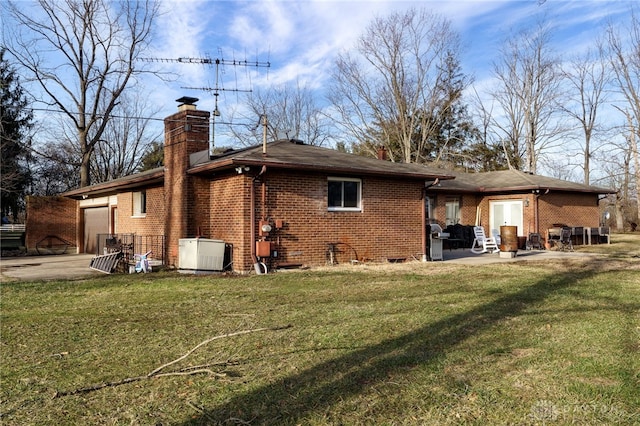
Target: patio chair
[[496, 236], [535, 242], [565, 243], [482, 243]]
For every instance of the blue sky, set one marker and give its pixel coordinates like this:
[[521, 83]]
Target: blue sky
[[300, 38]]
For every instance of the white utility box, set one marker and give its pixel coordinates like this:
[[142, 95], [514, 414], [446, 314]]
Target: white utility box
[[200, 255]]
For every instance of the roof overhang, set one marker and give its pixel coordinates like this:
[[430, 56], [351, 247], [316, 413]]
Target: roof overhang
[[231, 163], [513, 181], [149, 178], [521, 189]]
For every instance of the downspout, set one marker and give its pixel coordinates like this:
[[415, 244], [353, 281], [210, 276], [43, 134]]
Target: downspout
[[263, 207], [253, 214], [426, 229], [258, 265], [424, 224], [252, 220], [536, 223]]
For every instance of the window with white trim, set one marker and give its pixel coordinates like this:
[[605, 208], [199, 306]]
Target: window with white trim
[[344, 194], [452, 211], [140, 204]]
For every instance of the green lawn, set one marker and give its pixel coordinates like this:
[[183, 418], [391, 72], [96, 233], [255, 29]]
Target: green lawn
[[414, 344]]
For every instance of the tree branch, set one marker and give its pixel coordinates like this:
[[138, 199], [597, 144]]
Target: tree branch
[[157, 371]]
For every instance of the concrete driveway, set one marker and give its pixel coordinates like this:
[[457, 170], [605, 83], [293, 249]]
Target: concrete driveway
[[36, 268]]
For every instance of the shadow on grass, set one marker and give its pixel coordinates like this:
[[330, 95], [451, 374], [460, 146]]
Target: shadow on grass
[[290, 399]]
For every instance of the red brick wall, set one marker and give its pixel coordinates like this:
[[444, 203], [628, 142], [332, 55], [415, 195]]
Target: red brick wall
[[223, 212], [528, 220], [153, 221], [382, 230], [201, 190], [569, 209], [56, 216], [186, 132], [389, 225], [468, 205]]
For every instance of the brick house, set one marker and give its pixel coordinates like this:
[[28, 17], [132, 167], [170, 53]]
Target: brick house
[[531, 202], [286, 203], [319, 203]]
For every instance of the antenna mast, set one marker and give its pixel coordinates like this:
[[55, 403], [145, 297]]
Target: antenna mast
[[217, 88]]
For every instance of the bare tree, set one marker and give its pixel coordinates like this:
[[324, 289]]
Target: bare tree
[[388, 92], [82, 55], [624, 54], [292, 112], [616, 166], [126, 139], [491, 150], [529, 89], [587, 78]]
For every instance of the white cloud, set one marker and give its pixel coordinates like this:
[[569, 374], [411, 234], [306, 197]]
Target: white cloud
[[182, 31], [302, 38]]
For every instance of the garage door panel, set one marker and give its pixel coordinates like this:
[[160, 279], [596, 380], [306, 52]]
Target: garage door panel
[[96, 221]]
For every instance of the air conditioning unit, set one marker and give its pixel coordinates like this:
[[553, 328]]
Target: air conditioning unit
[[200, 255]]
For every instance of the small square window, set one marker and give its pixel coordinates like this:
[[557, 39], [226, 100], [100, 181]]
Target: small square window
[[140, 203], [344, 194]]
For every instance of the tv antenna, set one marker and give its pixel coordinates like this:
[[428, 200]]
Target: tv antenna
[[217, 88]]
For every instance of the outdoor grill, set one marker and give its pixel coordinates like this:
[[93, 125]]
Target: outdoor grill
[[436, 236]]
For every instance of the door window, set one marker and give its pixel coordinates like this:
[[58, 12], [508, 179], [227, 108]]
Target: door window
[[506, 213]]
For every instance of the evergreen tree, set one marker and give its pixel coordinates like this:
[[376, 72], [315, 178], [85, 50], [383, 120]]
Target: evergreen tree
[[484, 157], [14, 145], [452, 128], [153, 157]]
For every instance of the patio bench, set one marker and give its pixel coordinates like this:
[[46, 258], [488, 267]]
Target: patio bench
[[12, 237]]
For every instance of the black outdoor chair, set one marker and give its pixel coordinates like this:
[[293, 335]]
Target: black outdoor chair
[[565, 243], [535, 242]]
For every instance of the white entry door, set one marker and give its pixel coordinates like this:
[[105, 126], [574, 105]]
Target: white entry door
[[506, 213]]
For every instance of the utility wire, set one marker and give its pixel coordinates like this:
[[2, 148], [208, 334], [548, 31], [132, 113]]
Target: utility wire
[[131, 117]]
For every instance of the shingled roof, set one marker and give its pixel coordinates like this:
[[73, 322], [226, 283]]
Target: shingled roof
[[286, 154], [283, 154], [130, 182], [512, 181], [291, 155]]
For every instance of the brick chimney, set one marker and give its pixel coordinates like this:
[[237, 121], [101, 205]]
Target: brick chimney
[[382, 153], [185, 133]]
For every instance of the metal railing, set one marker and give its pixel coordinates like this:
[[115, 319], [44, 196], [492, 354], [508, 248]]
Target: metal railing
[[131, 245]]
